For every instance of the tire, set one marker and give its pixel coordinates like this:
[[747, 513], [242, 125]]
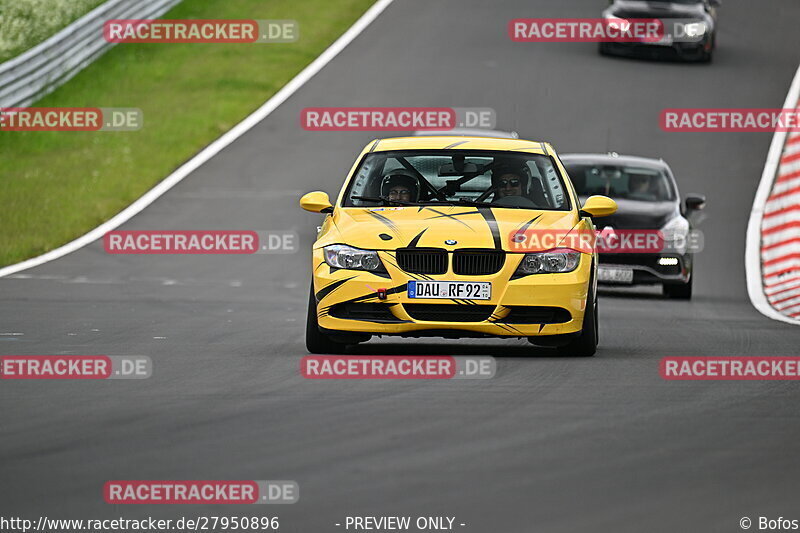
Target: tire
[[708, 56], [679, 292], [586, 344], [316, 341], [602, 49]]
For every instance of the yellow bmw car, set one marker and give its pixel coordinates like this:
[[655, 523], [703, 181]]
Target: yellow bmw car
[[422, 241]]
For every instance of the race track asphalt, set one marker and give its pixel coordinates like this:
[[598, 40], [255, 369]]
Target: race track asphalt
[[549, 444]]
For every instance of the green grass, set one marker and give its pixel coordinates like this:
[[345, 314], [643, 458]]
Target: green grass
[[55, 186], [26, 23]]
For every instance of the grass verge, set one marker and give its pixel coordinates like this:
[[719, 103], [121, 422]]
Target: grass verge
[[55, 186], [26, 23]]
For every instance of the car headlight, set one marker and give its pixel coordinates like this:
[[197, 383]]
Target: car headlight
[[617, 23], [550, 262], [694, 29], [342, 256], [676, 233]]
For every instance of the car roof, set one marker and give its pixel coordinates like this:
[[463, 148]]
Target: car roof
[[613, 158], [468, 132], [439, 142]]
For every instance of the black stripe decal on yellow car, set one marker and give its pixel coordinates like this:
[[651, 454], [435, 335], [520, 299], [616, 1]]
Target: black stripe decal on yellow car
[[366, 297], [488, 215], [453, 216], [415, 240], [454, 145], [391, 225], [526, 225], [329, 288]]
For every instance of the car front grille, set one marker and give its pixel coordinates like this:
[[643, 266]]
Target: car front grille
[[449, 312], [478, 262], [465, 262], [422, 260], [370, 312], [528, 314]]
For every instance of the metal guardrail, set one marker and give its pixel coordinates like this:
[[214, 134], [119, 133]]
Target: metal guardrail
[[38, 71]]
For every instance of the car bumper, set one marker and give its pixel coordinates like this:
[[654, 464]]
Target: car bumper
[[534, 305], [689, 51], [647, 270]]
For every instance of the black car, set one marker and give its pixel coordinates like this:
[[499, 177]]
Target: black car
[[648, 199], [690, 28]]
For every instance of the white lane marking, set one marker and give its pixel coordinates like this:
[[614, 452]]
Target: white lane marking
[[755, 280], [212, 149]]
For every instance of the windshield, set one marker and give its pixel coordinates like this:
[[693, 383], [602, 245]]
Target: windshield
[[458, 177], [684, 2], [620, 182]]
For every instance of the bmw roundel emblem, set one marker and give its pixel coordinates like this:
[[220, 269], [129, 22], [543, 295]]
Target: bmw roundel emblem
[[450, 242]]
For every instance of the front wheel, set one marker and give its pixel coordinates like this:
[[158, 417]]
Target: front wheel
[[679, 292], [586, 344], [316, 341]]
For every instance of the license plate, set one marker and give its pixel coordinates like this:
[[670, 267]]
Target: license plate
[[615, 275], [460, 290], [665, 40]]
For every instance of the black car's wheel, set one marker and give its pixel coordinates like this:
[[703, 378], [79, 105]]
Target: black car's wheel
[[602, 49], [708, 55], [679, 292], [316, 341], [586, 344]]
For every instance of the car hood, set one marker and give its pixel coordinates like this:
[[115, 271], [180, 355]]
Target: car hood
[[640, 9], [390, 228], [633, 214]]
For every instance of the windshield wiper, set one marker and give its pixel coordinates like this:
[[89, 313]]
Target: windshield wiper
[[386, 201]]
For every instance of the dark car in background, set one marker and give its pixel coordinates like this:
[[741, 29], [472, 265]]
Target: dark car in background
[[690, 28], [647, 199]]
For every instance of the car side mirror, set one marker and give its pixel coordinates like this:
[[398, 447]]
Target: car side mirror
[[316, 202], [695, 202], [715, 3], [598, 206]]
